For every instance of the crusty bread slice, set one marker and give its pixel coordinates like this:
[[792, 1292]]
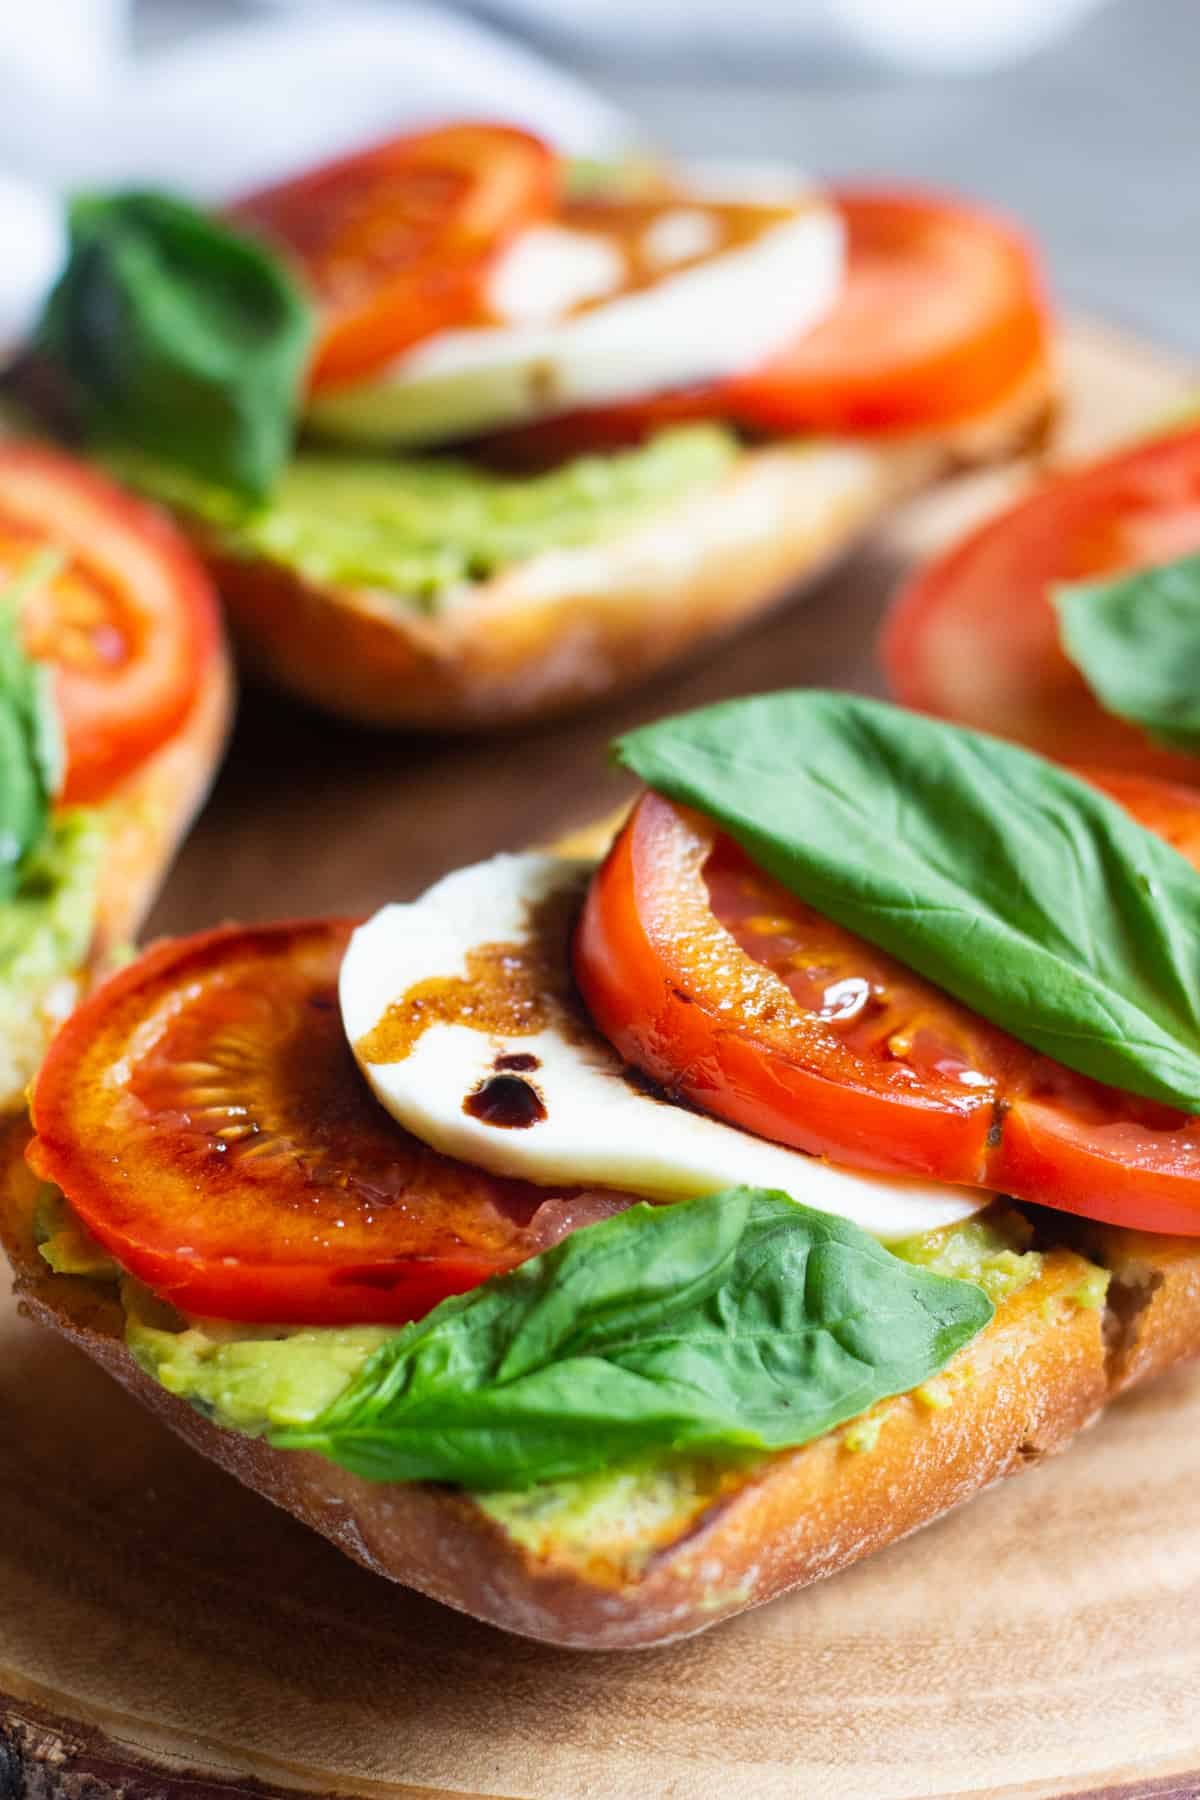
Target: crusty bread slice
[[659, 1562], [716, 1540], [568, 626], [149, 813], [145, 817]]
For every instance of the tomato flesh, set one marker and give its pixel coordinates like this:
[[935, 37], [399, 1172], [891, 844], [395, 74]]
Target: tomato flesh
[[714, 980], [205, 1118], [395, 241], [941, 317], [130, 624], [974, 635]]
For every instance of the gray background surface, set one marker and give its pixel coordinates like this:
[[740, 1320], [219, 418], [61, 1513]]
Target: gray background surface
[[1095, 143]]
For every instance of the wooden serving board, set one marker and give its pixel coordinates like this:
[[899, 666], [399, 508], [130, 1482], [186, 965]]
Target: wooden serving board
[[164, 1632]]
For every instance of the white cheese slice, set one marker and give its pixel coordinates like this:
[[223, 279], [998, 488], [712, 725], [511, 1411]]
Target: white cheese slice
[[550, 270], [695, 323], [679, 235], [597, 1129]]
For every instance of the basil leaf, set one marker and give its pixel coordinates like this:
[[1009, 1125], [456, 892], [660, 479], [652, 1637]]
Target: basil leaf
[[1136, 642], [180, 337], [741, 1321], [1014, 885], [30, 746]]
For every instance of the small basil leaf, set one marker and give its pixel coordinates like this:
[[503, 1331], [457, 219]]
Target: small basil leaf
[[180, 337], [30, 745], [1136, 642], [741, 1321], [1012, 884]]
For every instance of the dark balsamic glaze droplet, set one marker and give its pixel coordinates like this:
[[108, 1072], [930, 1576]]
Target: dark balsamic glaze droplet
[[520, 1061], [508, 1101]]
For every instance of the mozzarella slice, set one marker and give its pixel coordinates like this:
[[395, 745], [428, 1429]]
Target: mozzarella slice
[[550, 271], [693, 323], [497, 1068]]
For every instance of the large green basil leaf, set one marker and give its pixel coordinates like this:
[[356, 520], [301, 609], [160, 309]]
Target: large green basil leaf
[[1006, 880], [30, 747], [1136, 642], [179, 337], [741, 1321]]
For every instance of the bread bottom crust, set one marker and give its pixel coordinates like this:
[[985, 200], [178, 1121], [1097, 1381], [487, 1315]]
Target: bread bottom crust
[[568, 626]]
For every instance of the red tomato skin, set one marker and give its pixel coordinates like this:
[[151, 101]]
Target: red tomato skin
[[130, 548], [517, 178], [263, 1183], [1040, 1133], [816, 385], [303, 1294], [677, 1039], [1044, 1158], [973, 636]]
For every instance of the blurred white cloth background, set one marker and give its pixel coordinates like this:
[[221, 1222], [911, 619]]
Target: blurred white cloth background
[[240, 104], [928, 36], [220, 107]]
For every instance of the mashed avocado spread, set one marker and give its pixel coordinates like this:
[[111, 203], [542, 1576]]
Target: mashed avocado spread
[[45, 929], [991, 1250], [425, 528], [248, 1381]]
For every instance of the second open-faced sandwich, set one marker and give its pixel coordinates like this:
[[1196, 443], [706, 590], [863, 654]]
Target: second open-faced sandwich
[[605, 1247], [114, 702], [552, 432], [1070, 621]]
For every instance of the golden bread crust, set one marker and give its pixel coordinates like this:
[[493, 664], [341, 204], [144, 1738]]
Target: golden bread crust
[[145, 817], [148, 814]]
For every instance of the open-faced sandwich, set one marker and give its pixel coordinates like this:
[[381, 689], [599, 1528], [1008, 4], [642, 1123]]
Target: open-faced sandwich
[[114, 700], [1071, 621], [605, 1247], [552, 432]]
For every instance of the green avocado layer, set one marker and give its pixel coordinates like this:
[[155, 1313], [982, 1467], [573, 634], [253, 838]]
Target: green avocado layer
[[45, 930], [423, 529]]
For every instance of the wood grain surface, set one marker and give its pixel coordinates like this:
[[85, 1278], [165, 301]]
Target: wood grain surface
[[163, 1631]]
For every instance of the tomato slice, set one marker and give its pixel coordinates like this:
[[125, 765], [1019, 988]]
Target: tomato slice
[[204, 1116], [130, 623], [941, 317], [974, 636], [395, 241], [718, 983]]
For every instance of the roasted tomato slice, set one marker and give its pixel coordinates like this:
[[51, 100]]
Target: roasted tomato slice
[[714, 980], [204, 1116], [130, 623], [974, 635], [396, 240], [941, 317]]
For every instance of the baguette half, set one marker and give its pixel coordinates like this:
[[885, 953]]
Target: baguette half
[[568, 626], [660, 1560]]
